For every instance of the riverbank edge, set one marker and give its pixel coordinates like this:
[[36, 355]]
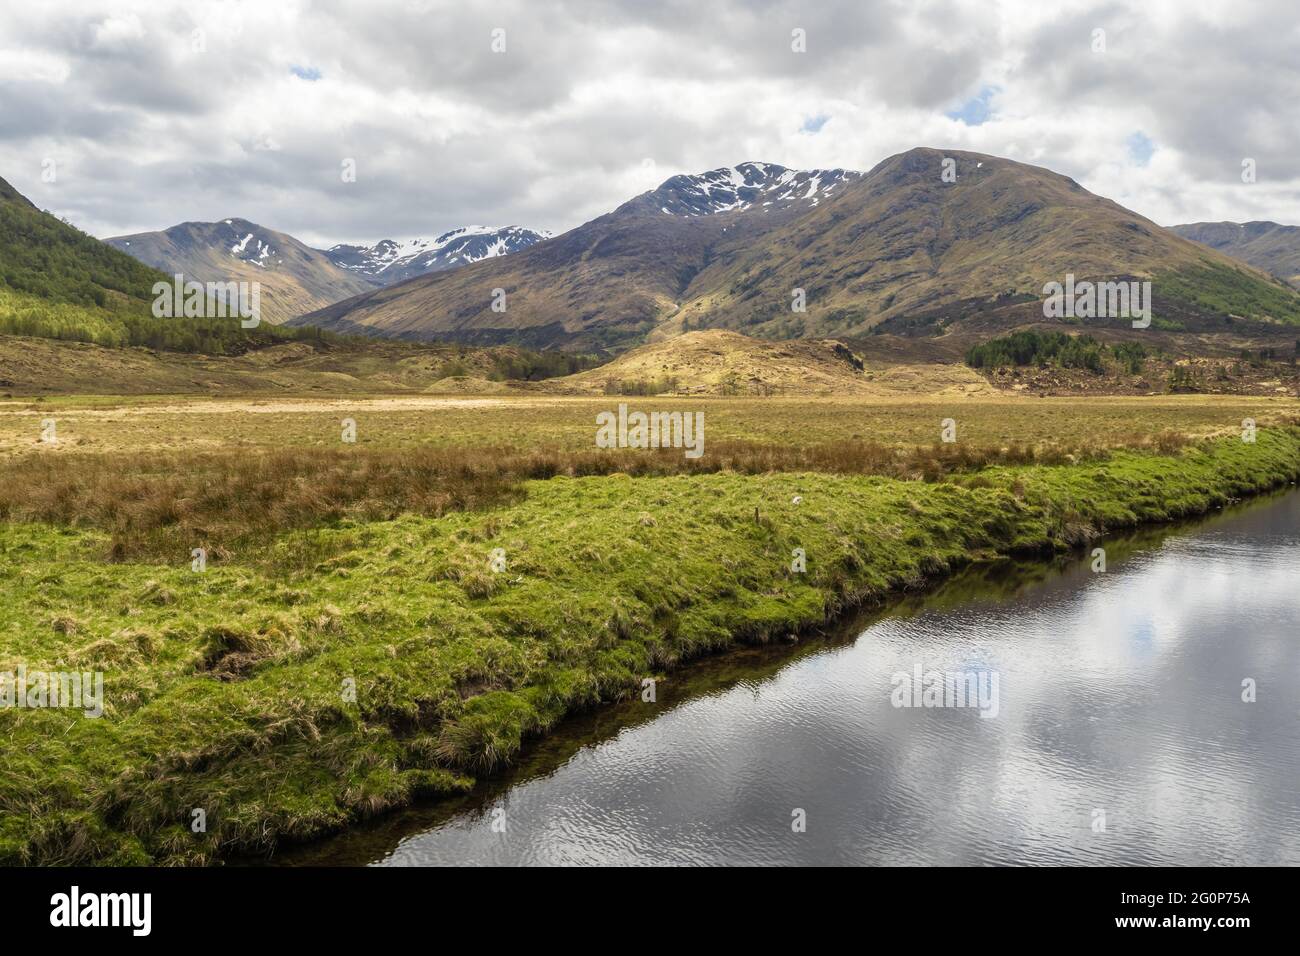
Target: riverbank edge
[[299, 764]]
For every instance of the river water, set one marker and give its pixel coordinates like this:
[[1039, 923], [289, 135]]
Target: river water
[[1120, 735]]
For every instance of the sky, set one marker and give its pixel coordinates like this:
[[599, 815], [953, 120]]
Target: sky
[[348, 121]]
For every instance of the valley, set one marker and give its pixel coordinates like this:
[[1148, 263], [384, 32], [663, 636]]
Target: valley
[[372, 552]]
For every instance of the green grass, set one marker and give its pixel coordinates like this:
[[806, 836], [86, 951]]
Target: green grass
[[129, 322], [1226, 291], [224, 689]]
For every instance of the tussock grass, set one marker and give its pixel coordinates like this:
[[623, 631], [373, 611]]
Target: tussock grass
[[159, 506], [224, 690]]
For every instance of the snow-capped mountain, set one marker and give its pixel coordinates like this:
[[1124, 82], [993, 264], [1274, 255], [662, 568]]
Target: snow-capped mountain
[[237, 238], [744, 186], [390, 261], [294, 278], [708, 251]]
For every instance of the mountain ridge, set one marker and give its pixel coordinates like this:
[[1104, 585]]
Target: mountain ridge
[[900, 242], [1267, 245], [739, 187], [389, 261]]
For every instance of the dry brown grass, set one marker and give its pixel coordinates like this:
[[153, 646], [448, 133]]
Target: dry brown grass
[[159, 505], [153, 504]]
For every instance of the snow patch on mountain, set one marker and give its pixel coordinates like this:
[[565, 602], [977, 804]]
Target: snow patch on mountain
[[392, 260], [731, 188], [261, 252]]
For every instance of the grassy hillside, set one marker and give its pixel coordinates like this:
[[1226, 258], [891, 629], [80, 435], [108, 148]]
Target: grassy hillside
[[1219, 289], [58, 282], [717, 362], [52, 260]]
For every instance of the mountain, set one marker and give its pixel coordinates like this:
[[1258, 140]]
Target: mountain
[[293, 277], [43, 256], [741, 187], [388, 261], [1265, 245], [608, 283], [897, 247]]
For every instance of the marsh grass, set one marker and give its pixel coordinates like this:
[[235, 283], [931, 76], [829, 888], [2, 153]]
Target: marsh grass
[[222, 689], [160, 505], [369, 561]]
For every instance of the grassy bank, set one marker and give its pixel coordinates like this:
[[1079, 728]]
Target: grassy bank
[[227, 690]]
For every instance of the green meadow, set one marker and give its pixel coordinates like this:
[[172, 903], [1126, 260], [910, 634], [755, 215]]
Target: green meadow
[[355, 659]]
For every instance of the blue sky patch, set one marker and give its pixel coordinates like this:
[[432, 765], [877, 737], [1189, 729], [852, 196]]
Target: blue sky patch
[[1140, 148], [975, 110]]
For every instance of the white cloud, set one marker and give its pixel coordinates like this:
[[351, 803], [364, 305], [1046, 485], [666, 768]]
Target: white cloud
[[154, 123], [116, 33]]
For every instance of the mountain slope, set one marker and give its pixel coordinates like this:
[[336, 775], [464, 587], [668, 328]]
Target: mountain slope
[[57, 282], [1265, 245], [897, 243], [293, 277], [10, 195], [388, 262], [45, 257], [903, 242], [607, 283]]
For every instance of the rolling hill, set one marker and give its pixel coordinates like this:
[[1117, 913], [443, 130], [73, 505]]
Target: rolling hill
[[1265, 245], [717, 362], [727, 249]]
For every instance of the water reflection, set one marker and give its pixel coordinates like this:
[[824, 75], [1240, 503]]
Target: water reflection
[[1121, 737]]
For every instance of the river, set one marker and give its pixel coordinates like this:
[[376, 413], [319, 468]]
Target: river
[[1121, 734]]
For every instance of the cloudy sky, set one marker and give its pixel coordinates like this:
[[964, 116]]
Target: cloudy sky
[[150, 113]]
